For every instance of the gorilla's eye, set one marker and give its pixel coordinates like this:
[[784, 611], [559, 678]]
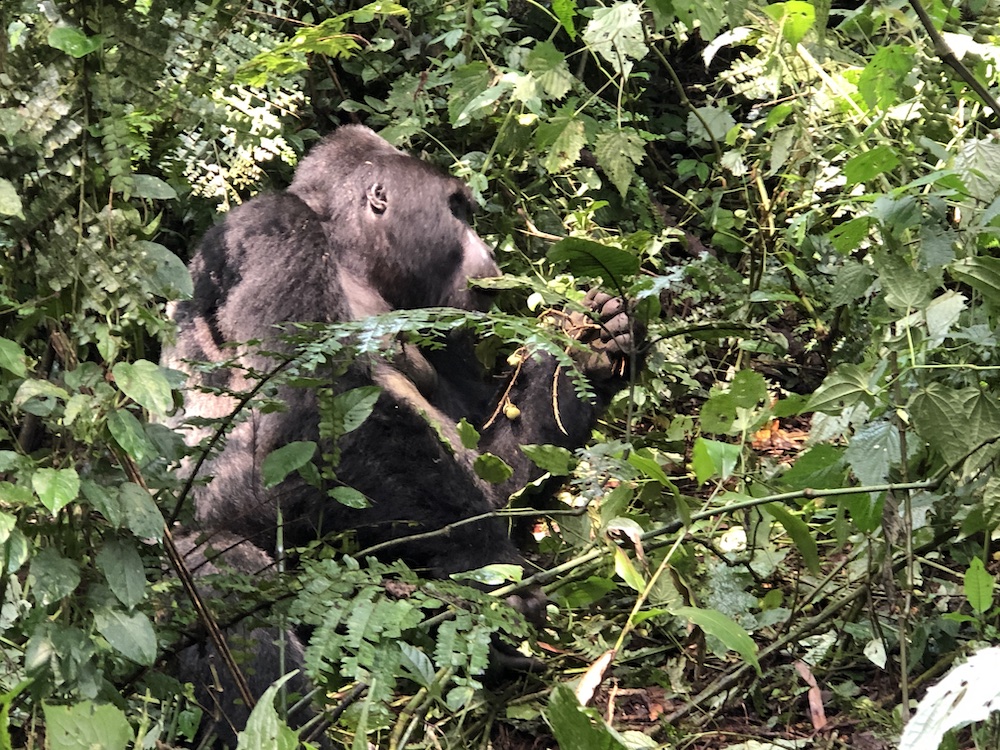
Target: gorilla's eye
[[460, 207]]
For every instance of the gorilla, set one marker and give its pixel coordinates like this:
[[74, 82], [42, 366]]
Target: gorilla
[[366, 229]]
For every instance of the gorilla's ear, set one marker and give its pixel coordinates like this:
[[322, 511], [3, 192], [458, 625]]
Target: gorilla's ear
[[376, 197]]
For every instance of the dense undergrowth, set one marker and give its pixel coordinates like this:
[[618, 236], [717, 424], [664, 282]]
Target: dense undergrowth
[[784, 529]]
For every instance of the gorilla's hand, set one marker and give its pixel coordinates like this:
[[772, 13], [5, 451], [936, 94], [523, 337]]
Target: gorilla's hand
[[611, 332]]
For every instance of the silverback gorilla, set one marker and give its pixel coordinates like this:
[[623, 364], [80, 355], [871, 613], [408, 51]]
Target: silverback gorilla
[[366, 229]]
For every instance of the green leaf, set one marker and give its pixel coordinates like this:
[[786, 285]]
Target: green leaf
[[170, 279], [142, 516], [492, 575], [795, 17], [615, 33], [469, 435], [122, 568], [591, 259], [549, 66], [882, 81], [86, 726], [350, 497], [492, 468], [619, 153], [130, 635], [649, 467], [979, 586], [625, 570], [843, 388], [718, 121], [56, 488], [873, 451], [561, 138], [711, 458], [53, 576], [799, 531], [565, 10], [129, 433], [982, 274], [284, 460], [749, 390], [556, 460], [153, 188], [265, 730], [353, 407], [718, 415], [576, 727], [870, 164], [728, 632], [941, 416], [73, 41], [468, 82], [145, 383], [10, 201], [12, 358]]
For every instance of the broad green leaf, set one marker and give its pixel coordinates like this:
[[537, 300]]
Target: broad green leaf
[[38, 397], [576, 727], [942, 315], [800, 533], [795, 18], [982, 274], [591, 259], [468, 82], [710, 458], [142, 516], [548, 64], [73, 41], [86, 726], [941, 416], [10, 201], [469, 435], [627, 572], [492, 575], [848, 236], [284, 460], [728, 632], [565, 10], [873, 451], [105, 500], [619, 153], [649, 467], [718, 121], [821, 467], [353, 407], [170, 279], [615, 33], [349, 497], [865, 509], [128, 432], [265, 729], [870, 164], [881, 82], [130, 635], [718, 415], [749, 390], [145, 383], [12, 358], [554, 459], [148, 186], [492, 468], [56, 488], [122, 568], [52, 576], [417, 664], [979, 586], [844, 387]]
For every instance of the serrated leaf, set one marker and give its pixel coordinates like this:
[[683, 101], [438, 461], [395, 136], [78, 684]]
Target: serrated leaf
[[590, 259], [565, 10], [284, 460], [145, 383], [615, 33], [881, 82], [619, 153], [130, 635], [86, 726], [726, 630], [561, 139], [10, 201], [549, 66], [56, 488], [122, 568], [73, 41], [979, 586], [12, 358], [873, 451], [492, 468], [940, 415], [554, 459]]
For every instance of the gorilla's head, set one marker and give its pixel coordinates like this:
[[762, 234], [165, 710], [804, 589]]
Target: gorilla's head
[[396, 221]]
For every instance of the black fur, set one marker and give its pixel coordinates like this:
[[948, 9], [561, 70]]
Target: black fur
[[365, 229]]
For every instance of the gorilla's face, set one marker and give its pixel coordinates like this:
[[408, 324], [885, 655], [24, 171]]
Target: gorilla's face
[[398, 221]]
